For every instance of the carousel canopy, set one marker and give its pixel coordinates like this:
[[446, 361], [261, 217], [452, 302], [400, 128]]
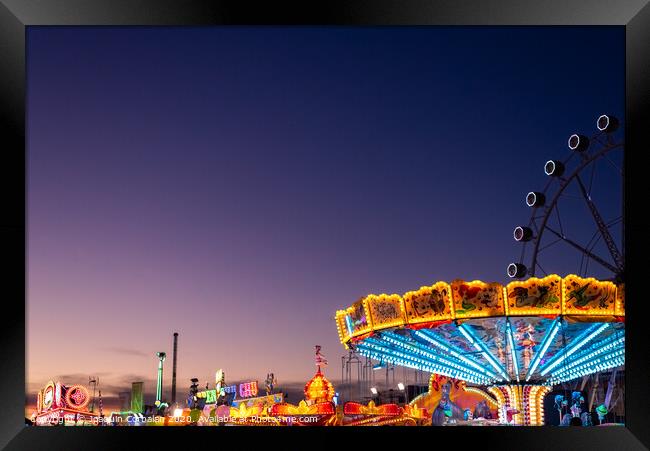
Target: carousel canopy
[[546, 330]]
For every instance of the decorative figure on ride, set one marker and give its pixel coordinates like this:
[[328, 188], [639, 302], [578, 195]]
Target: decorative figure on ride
[[447, 411], [270, 383], [482, 410]]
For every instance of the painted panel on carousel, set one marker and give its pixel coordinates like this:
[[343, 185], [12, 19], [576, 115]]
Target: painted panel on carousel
[[385, 310], [535, 296], [476, 299], [356, 319], [620, 300], [588, 296], [429, 304]]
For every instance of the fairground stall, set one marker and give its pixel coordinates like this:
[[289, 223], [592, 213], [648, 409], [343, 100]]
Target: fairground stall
[[508, 346]]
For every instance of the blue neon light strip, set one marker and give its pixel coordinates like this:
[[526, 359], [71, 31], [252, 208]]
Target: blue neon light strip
[[579, 342], [612, 360], [401, 359], [348, 324], [511, 343], [546, 342], [469, 334], [454, 351], [616, 348], [593, 365], [614, 342], [407, 358], [416, 349], [398, 340], [414, 363]]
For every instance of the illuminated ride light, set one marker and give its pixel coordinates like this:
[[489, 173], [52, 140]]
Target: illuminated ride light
[[480, 346], [611, 344], [418, 356], [403, 358], [546, 342], [593, 367], [418, 349], [453, 351], [513, 351], [578, 343], [602, 354], [77, 397]]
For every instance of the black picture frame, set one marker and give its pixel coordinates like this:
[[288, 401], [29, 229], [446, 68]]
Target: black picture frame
[[16, 15]]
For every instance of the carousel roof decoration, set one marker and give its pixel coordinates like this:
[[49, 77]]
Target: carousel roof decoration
[[319, 389], [539, 330]]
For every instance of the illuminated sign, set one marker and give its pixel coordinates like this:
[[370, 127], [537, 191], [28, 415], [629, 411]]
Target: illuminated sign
[[244, 390], [48, 397], [211, 395], [275, 398], [77, 397], [219, 378], [248, 389]]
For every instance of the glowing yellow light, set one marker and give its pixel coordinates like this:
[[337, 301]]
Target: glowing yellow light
[[620, 300], [319, 389], [341, 328], [476, 299], [480, 392]]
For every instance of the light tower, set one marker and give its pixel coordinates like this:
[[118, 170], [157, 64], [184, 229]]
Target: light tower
[[161, 358], [174, 368]]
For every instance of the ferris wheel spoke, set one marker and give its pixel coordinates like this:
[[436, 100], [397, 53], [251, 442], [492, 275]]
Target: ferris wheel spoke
[[597, 139], [591, 178], [523, 252], [559, 221], [604, 231], [591, 247], [614, 165], [615, 221], [549, 245], [585, 251], [570, 196]]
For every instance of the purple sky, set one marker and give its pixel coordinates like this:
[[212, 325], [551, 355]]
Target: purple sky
[[240, 185]]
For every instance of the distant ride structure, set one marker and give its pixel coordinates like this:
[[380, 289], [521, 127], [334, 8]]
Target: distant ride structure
[[573, 184]]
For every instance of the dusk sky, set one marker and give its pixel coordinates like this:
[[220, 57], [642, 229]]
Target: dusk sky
[[239, 185]]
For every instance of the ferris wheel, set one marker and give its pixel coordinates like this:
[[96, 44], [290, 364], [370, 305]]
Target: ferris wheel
[[558, 221]]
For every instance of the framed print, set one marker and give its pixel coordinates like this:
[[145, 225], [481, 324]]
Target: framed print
[[218, 215]]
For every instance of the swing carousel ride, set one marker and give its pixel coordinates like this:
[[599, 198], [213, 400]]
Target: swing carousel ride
[[511, 344]]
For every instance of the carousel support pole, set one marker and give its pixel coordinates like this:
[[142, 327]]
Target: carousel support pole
[[594, 389]]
